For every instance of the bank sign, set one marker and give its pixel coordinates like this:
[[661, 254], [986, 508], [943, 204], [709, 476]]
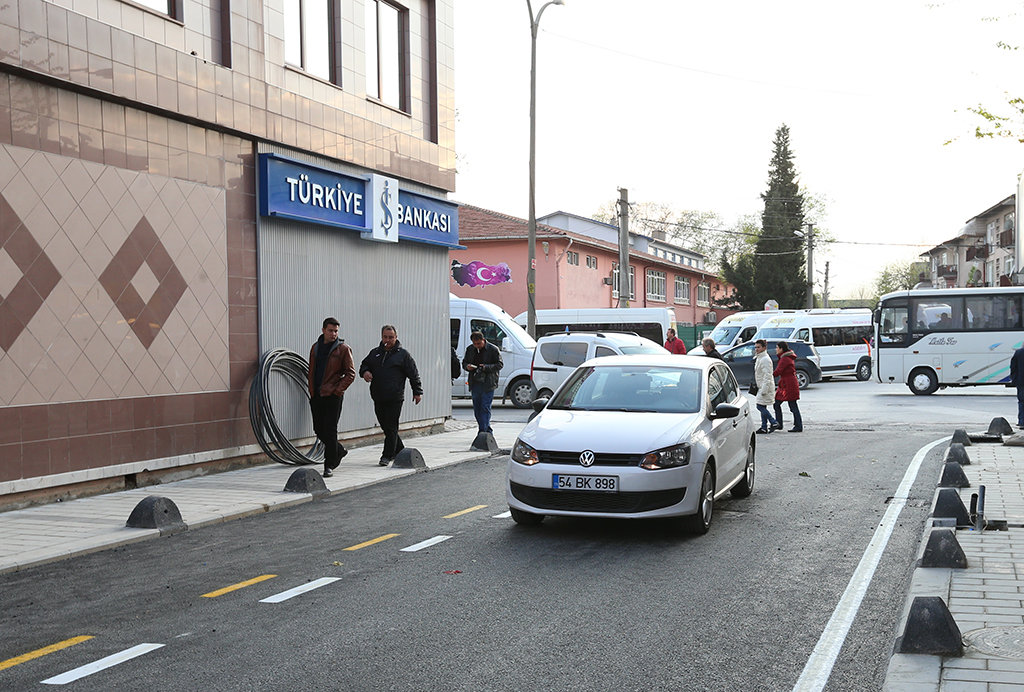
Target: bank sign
[[374, 206]]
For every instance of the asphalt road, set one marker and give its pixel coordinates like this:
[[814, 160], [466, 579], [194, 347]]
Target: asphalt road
[[568, 605]]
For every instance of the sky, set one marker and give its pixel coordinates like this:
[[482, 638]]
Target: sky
[[678, 101]]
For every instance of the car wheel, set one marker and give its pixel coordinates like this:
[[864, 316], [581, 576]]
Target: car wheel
[[923, 381], [525, 518], [803, 380], [521, 393], [864, 370], [544, 394], [700, 522], [746, 484]]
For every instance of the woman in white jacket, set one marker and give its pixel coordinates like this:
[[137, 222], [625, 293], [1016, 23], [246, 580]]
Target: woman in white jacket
[[763, 369]]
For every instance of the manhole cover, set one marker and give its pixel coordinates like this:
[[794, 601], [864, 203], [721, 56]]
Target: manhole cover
[[1007, 642]]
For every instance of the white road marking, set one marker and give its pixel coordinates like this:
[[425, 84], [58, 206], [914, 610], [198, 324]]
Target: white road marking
[[299, 590], [425, 544], [102, 664], [819, 666], [503, 515]]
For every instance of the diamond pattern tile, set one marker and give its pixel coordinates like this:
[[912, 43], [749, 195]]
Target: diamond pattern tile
[[39, 276]]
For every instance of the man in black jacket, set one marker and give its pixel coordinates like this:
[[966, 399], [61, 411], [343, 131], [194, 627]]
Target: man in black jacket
[[386, 368], [483, 363]]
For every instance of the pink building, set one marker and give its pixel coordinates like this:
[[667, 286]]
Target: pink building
[[576, 269]]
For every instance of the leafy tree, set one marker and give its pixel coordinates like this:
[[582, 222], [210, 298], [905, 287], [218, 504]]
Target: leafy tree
[[900, 275], [775, 270]]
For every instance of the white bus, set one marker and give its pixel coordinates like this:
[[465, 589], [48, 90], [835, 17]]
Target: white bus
[[650, 323], [841, 337], [936, 338]]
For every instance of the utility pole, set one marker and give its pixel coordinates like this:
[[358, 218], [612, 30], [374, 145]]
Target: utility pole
[[824, 291], [623, 247], [810, 266]]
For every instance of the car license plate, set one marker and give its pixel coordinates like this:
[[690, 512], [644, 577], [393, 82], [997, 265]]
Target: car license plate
[[607, 484]]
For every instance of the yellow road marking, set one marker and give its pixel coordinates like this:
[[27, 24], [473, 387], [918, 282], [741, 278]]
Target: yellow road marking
[[11, 662], [372, 541], [465, 511], [239, 585]]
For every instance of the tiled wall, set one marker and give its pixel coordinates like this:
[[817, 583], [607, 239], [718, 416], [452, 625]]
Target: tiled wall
[[127, 285]]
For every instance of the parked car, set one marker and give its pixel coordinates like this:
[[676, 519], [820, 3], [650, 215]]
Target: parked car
[[557, 355], [634, 437], [741, 361]]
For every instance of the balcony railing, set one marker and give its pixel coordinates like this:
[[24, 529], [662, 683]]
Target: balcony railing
[[945, 270], [977, 252], [1006, 238]]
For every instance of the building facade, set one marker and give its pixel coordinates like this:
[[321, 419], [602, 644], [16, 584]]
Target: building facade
[[577, 267], [143, 272], [982, 254]]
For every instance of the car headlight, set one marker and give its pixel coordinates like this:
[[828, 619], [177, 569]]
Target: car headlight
[[667, 458], [524, 453]]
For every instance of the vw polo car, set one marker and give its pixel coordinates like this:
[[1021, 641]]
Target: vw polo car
[[639, 436]]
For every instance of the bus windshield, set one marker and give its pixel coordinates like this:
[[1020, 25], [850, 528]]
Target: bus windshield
[[775, 332]]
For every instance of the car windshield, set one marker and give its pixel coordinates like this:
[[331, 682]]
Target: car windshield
[[640, 388], [642, 348]]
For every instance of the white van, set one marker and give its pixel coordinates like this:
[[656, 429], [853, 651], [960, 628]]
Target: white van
[[841, 337], [740, 327], [650, 323], [469, 315], [557, 355]]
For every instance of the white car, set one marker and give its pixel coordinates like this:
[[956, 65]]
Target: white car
[[636, 437]]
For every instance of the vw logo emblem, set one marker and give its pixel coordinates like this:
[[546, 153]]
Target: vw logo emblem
[[587, 458]]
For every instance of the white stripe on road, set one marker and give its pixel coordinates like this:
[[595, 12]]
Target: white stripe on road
[[503, 515], [102, 664], [819, 666], [425, 544], [299, 590]]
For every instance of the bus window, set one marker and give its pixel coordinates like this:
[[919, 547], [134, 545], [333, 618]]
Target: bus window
[[993, 312], [893, 329], [940, 315]]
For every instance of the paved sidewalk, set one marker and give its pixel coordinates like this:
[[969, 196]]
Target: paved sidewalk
[[57, 531], [986, 600]]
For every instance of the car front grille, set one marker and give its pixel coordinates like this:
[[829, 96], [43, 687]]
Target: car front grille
[[600, 458], [589, 501]]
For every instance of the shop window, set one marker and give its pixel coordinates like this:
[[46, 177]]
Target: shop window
[[386, 31]]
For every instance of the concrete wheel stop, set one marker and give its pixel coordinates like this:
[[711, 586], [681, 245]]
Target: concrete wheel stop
[[409, 458], [956, 452], [960, 435], [157, 512], [484, 442], [307, 480], [930, 629], [949, 510], [999, 426], [953, 476], [943, 550]]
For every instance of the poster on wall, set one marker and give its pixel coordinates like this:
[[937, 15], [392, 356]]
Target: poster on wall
[[476, 273]]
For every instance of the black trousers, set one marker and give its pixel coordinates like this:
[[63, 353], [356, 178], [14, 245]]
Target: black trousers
[[388, 413], [326, 414]]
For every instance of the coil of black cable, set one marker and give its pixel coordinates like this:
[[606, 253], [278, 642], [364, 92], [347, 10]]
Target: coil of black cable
[[272, 440]]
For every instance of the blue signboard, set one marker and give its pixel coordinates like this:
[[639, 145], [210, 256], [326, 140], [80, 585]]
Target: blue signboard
[[300, 191]]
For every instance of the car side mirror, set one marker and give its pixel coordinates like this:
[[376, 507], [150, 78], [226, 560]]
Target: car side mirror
[[726, 411], [539, 404], [506, 345]]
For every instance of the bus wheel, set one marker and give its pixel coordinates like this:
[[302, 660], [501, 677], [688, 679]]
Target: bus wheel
[[864, 370], [923, 381], [521, 392]]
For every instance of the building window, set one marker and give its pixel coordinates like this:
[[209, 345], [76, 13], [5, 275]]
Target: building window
[[655, 285], [572, 258], [704, 294], [682, 290], [615, 282], [308, 42], [386, 29], [591, 262], [168, 7], [990, 232], [1008, 222]]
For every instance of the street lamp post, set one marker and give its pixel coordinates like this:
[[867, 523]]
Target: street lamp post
[[531, 257]]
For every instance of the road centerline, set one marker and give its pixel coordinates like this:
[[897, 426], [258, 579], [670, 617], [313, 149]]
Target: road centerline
[[464, 511], [239, 585], [11, 662], [372, 541]]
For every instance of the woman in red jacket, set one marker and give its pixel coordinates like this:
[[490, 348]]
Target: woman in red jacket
[[788, 389]]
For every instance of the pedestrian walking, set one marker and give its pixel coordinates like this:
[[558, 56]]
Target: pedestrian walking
[[788, 389], [483, 363], [387, 368], [708, 344], [1017, 380], [674, 344], [331, 371], [765, 381]]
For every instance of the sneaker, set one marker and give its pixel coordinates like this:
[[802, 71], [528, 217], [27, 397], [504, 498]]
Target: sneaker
[[777, 426], [384, 461], [762, 431], [796, 430], [328, 473]]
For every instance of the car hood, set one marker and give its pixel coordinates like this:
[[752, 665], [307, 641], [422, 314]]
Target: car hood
[[612, 432]]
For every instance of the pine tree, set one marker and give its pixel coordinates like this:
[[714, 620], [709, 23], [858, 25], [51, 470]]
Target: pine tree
[[779, 261]]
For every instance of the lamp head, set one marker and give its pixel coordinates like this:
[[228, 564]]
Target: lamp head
[[557, 2]]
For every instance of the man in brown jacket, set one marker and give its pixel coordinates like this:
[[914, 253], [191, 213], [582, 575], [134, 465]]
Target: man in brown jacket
[[331, 371]]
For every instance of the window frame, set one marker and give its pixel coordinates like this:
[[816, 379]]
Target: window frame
[[333, 48], [681, 281], [656, 279], [377, 94]]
